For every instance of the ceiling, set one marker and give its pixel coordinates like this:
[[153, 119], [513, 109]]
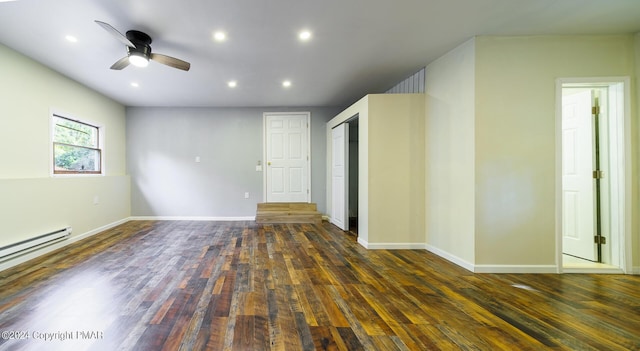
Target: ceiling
[[357, 46]]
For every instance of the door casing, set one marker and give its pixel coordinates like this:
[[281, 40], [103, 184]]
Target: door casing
[[620, 152]]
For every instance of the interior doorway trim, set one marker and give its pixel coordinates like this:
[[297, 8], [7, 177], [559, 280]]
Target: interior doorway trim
[[360, 110], [623, 145]]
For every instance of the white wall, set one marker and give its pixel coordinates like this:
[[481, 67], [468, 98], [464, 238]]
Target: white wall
[[32, 202], [163, 143], [450, 154]]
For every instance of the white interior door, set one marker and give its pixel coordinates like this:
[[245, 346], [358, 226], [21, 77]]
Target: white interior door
[[577, 179], [340, 176], [287, 157]]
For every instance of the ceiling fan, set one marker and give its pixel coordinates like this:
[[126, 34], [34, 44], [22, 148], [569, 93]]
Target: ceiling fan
[[139, 50]]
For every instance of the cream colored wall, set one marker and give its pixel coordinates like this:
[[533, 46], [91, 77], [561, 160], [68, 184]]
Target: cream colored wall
[[515, 131], [635, 132], [32, 202], [391, 169], [450, 154], [396, 169]]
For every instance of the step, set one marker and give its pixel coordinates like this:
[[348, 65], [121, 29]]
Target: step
[[295, 212], [287, 206]]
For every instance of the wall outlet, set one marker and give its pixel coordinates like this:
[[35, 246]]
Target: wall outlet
[[96, 200], [246, 195], [198, 159]]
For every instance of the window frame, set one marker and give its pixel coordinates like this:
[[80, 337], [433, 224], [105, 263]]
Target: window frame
[[52, 144]]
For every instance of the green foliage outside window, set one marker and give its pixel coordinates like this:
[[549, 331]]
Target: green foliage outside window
[[75, 147]]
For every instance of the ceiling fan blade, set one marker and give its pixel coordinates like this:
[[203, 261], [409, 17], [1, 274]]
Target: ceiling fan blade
[[121, 63], [171, 61], [114, 32]]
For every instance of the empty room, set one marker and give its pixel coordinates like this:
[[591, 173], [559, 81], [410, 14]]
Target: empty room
[[320, 175]]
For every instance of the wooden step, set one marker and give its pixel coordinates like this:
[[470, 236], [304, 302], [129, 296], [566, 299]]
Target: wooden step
[[288, 212], [287, 206]]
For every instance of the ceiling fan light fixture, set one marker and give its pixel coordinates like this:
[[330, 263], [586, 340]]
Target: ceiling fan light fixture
[[138, 59], [138, 46]]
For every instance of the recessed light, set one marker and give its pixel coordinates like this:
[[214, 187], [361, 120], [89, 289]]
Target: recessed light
[[220, 36], [286, 83], [135, 84], [71, 38], [232, 84], [304, 35]]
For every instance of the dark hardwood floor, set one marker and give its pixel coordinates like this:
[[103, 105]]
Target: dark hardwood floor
[[242, 286]]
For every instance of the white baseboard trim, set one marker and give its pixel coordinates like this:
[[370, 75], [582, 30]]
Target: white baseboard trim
[[482, 268], [98, 230], [395, 246], [450, 257], [187, 218], [489, 268], [29, 255], [593, 270], [635, 270], [390, 246]]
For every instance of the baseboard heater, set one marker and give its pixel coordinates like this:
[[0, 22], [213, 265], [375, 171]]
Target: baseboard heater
[[34, 242]]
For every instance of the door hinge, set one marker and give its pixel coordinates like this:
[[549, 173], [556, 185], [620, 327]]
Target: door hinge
[[597, 174], [595, 110], [599, 239]]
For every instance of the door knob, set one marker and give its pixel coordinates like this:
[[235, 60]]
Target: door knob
[[268, 163]]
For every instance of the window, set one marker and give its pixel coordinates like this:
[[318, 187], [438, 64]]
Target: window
[[76, 147]]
